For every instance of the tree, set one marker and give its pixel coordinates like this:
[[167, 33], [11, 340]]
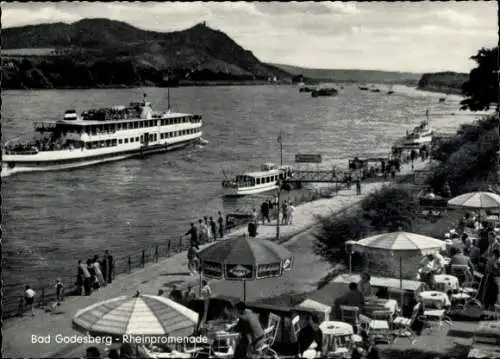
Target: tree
[[482, 87]]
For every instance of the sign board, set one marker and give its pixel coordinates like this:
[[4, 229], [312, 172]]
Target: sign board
[[212, 269], [308, 158], [239, 272], [269, 270]]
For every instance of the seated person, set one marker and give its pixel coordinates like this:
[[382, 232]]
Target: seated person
[[364, 285], [353, 298], [250, 330], [432, 263], [458, 258], [176, 294], [308, 334]]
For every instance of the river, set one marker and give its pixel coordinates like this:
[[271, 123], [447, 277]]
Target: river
[[52, 219]]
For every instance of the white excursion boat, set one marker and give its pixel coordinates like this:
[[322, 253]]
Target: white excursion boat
[[101, 135], [421, 135], [257, 182]]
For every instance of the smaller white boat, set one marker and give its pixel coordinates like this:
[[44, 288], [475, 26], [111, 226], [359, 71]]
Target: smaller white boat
[[257, 182], [421, 135]]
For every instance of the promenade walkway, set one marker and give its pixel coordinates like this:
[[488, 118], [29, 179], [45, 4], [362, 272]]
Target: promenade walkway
[[307, 271]]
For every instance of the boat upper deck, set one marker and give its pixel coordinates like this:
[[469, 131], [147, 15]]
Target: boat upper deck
[[262, 174]]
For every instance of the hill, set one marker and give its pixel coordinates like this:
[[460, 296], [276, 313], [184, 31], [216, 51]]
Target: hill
[[107, 53], [446, 82], [356, 76]]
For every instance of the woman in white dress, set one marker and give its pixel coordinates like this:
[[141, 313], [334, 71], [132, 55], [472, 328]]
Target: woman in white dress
[[98, 272]]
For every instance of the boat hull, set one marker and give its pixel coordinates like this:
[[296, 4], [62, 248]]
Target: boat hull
[[11, 166], [245, 191]]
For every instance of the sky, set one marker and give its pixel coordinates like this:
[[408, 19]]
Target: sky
[[403, 36]]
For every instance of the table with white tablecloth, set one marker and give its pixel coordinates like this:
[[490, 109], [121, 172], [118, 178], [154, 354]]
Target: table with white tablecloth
[[432, 298], [376, 304], [446, 282]]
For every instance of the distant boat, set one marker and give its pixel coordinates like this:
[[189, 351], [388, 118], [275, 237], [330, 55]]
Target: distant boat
[[421, 135], [442, 99], [363, 88], [375, 90], [306, 89], [390, 92], [324, 92]]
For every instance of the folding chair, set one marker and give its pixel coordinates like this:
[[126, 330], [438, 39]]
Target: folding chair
[[404, 325], [376, 329], [296, 326], [350, 314], [462, 272], [226, 349], [273, 321], [438, 315], [265, 349]]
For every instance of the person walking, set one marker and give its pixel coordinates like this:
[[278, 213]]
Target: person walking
[[29, 298], [209, 232], [220, 220], [358, 186], [213, 228], [264, 210], [94, 284], [193, 233]]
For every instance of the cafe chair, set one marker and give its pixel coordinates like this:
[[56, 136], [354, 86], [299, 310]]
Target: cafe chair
[[462, 272], [376, 329], [350, 314], [265, 350], [439, 316], [403, 325], [470, 288], [296, 326], [273, 321], [226, 347]]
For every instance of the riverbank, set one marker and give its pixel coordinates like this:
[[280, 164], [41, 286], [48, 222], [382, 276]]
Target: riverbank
[[308, 270]]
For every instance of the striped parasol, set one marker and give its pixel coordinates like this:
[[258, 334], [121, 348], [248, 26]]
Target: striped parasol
[[478, 200], [146, 315]]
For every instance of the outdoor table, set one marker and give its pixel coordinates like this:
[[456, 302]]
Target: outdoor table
[[446, 282], [434, 298], [374, 304]]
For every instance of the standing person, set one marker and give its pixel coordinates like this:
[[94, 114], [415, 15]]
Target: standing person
[[87, 278], [254, 216], [80, 278], [213, 228], [206, 291], [358, 186], [59, 291], [110, 266], [284, 209], [291, 212], [191, 254], [98, 273], [220, 220], [29, 298], [264, 210], [104, 268], [209, 232], [93, 278], [203, 232], [193, 233], [189, 294]]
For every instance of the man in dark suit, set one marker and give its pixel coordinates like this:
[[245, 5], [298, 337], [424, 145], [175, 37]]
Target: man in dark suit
[[109, 265], [309, 334]]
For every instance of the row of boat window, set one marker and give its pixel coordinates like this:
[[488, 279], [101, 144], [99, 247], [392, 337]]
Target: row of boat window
[[253, 181], [152, 137]]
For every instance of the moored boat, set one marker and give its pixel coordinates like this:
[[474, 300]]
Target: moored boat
[[100, 135], [421, 135], [267, 179], [324, 92]]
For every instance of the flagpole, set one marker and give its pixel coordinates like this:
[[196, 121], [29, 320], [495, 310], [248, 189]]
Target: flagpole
[[281, 150]]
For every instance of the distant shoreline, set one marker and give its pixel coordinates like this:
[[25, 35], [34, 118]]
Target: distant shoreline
[[444, 91]]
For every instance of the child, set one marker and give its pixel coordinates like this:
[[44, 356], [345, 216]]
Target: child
[[59, 291]]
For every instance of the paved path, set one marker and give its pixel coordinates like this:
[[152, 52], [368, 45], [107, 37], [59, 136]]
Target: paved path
[[308, 269]]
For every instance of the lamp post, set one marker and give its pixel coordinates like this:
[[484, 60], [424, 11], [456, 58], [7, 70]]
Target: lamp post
[[278, 212]]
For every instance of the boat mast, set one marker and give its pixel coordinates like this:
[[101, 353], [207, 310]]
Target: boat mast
[[280, 141], [168, 98]]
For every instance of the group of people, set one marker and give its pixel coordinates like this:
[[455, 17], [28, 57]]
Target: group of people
[[479, 255], [206, 230], [96, 272]]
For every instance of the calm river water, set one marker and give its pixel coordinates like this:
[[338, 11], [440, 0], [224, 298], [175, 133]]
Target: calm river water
[[52, 219]]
